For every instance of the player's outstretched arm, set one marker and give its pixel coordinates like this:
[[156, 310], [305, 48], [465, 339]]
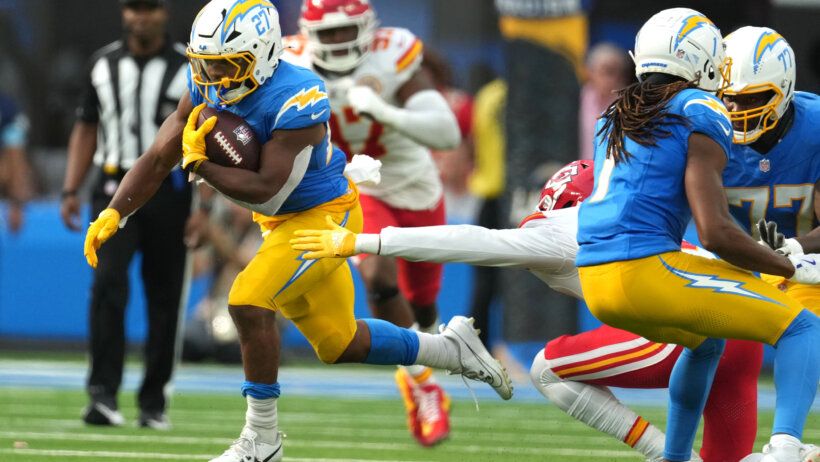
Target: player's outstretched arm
[[151, 168], [141, 181], [717, 231], [522, 247]]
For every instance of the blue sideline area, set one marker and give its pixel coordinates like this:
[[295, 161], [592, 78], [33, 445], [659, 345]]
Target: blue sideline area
[[45, 284]]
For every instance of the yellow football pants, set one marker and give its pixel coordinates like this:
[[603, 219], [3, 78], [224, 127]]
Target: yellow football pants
[[317, 295], [807, 295], [683, 299]]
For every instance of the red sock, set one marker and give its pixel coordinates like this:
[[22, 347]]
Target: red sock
[[730, 416]]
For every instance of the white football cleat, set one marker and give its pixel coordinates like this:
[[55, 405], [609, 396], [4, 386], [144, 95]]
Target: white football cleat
[[810, 453], [786, 452], [476, 362], [247, 449]]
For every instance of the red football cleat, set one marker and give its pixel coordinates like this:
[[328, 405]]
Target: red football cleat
[[433, 413], [407, 387]]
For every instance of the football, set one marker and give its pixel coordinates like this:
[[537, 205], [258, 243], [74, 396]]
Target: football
[[232, 142]]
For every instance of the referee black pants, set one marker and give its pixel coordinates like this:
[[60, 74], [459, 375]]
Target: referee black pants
[[156, 230]]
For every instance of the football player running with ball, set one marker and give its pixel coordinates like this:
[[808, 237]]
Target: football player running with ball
[[660, 151], [234, 54], [382, 106]]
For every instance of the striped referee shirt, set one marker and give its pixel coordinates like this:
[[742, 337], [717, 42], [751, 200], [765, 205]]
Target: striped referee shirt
[[129, 97]]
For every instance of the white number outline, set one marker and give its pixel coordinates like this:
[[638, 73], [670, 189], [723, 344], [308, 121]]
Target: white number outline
[[784, 197]]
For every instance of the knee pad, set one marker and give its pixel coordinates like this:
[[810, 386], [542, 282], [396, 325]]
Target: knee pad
[[382, 293], [541, 374], [567, 395]]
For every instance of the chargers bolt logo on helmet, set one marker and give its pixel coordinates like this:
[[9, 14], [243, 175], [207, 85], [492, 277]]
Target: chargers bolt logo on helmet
[[234, 48], [763, 63], [684, 43]]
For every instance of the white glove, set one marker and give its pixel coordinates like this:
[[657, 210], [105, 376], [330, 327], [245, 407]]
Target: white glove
[[806, 269], [363, 170], [365, 101], [790, 247]]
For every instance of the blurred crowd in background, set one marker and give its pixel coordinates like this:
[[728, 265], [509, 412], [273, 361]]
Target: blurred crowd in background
[[525, 81]]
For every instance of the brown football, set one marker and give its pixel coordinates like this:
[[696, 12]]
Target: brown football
[[232, 142]]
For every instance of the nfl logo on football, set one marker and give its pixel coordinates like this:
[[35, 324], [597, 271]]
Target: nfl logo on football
[[243, 135], [765, 165]]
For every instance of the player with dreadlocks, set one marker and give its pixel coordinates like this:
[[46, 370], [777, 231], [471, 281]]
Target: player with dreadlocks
[[660, 150]]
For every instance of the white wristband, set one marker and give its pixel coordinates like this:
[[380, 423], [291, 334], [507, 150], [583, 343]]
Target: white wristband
[[368, 243]]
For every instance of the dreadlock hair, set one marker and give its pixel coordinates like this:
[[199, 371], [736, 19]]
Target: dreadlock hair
[[640, 113]]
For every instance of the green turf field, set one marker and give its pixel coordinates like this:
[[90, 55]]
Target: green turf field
[[317, 430]]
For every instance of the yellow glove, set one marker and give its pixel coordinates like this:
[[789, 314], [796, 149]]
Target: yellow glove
[[335, 241], [100, 231], [193, 140]]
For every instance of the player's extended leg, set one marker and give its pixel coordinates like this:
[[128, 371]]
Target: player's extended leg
[[574, 372], [709, 298]]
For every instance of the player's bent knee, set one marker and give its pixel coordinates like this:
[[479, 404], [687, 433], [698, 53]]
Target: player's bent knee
[[328, 351], [331, 347], [541, 372]]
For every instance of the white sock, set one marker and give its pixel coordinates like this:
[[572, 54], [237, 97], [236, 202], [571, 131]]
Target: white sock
[[784, 440], [437, 351], [597, 407], [418, 370], [263, 418]]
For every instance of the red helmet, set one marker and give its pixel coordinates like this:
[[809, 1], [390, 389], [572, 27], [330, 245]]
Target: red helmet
[[320, 15], [568, 187]]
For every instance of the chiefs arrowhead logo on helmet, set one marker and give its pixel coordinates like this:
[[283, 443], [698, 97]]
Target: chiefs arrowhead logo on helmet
[[568, 187]]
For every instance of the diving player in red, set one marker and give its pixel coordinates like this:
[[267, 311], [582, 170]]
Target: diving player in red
[[382, 106]]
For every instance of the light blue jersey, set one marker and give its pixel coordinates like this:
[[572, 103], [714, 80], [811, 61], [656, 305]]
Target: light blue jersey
[[293, 98], [639, 206], [778, 186]]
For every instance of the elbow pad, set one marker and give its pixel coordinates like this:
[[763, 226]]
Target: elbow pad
[[426, 118]]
